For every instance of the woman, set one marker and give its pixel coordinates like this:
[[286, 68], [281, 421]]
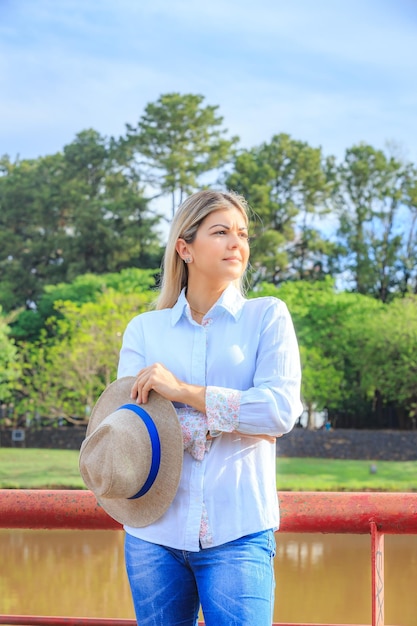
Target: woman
[[231, 367]]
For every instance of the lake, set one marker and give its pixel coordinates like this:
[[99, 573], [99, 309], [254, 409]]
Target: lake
[[320, 578]]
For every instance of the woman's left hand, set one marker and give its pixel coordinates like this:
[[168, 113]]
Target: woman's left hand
[[269, 438]]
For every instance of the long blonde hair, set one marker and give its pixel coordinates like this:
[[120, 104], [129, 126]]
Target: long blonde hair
[[185, 224]]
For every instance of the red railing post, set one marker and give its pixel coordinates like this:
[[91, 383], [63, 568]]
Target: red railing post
[[378, 585]]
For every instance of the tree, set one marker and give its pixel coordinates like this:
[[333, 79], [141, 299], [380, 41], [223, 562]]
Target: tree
[[63, 374], [110, 227], [176, 141], [10, 367], [27, 325], [391, 363], [288, 184], [70, 213], [370, 196], [29, 229], [70, 352], [407, 260]]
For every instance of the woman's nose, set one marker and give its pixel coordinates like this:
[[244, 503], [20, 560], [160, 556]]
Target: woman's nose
[[234, 240]]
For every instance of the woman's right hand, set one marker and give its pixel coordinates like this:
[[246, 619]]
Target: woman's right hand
[[163, 381]]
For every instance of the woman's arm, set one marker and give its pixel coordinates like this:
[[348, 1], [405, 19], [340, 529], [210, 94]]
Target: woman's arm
[[272, 404]]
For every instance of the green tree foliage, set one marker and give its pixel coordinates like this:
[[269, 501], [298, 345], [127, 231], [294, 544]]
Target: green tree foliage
[[371, 226], [68, 214], [108, 227], [27, 325], [177, 140], [390, 353], [10, 367], [357, 353], [288, 184], [79, 246], [29, 228], [65, 372], [407, 259], [85, 209]]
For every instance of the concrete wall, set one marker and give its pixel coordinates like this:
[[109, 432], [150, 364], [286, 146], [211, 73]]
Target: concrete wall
[[335, 444], [59, 438], [380, 445]]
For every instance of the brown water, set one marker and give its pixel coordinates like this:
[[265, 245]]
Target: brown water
[[320, 578]]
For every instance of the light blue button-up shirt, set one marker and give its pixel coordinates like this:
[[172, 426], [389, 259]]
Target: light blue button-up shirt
[[245, 353]]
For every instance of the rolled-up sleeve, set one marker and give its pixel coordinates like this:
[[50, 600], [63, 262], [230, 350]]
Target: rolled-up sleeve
[[222, 409], [273, 404]]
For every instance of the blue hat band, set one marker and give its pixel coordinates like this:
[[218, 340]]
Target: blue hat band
[[156, 447]]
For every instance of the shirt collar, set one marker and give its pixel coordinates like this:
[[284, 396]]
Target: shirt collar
[[231, 301]]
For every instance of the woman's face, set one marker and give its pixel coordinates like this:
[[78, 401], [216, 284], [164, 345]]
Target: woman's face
[[220, 251]]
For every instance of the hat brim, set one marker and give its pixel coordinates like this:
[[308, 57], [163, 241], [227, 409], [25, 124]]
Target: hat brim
[[151, 506]]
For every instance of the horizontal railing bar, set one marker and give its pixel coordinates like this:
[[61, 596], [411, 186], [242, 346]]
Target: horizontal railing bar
[[348, 512], [45, 620], [301, 512], [39, 620]]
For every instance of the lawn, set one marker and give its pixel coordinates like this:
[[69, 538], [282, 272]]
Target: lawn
[[39, 468], [32, 468], [307, 474]]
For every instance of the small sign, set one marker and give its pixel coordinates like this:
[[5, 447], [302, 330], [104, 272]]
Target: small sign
[[18, 434]]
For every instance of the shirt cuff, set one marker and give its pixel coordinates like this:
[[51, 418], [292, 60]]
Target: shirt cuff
[[222, 409]]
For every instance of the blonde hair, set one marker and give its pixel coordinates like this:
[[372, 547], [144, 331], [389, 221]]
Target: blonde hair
[[185, 224]]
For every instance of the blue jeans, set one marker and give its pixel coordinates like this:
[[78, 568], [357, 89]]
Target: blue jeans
[[233, 582]]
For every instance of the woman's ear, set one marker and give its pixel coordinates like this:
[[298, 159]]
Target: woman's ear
[[182, 249]]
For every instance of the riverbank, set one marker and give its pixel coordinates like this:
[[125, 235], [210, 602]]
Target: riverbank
[[32, 468]]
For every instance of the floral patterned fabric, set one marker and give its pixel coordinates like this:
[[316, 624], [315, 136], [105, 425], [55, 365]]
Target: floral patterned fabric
[[206, 536], [194, 432], [222, 407]]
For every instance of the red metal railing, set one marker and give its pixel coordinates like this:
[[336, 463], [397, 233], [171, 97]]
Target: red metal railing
[[375, 514]]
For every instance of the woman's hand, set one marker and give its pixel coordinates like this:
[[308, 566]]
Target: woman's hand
[[163, 381], [158, 378], [269, 438]]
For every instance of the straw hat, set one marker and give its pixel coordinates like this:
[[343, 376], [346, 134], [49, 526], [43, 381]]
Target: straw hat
[[131, 458]]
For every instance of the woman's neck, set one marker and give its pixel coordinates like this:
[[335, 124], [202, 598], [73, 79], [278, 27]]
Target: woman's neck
[[200, 300]]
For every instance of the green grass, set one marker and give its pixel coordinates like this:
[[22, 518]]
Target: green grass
[[345, 475], [31, 468], [36, 468]]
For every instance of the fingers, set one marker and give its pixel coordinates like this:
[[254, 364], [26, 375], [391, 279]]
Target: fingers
[[141, 387], [269, 438], [155, 377]]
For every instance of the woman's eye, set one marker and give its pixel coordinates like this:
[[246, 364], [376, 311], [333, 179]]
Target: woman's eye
[[242, 235]]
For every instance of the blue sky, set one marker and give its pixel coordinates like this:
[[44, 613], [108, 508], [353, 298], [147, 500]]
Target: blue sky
[[328, 72]]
